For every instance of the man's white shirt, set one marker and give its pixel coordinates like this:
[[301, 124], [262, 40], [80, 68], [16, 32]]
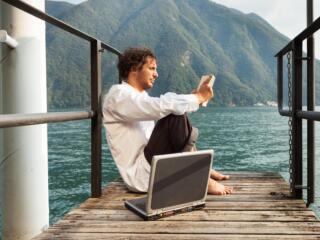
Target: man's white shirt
[[128, 116]]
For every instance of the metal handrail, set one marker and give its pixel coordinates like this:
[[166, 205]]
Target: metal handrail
[[96, 49], [285, 113], [16, 120], [296, 113], [11, 120], [310, 30], [309, 115], [58, 23]]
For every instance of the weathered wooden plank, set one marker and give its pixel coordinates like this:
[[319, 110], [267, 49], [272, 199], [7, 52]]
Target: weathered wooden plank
[[233, 197], [254, 190], [246, 174], [215, 205], [262, 181], [186, 227], [124, 236], [233, 180], [242, 189], [268, 195], [201, 215], [247, 197], [213, 199], [258, 182], [246, 187], [237, 174]]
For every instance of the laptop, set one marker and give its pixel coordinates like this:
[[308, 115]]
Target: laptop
[[178, 183]]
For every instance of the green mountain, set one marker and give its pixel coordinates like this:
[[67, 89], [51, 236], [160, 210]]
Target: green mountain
[[189, 37]]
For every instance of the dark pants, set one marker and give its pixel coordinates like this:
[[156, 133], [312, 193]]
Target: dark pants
[[171, 134]]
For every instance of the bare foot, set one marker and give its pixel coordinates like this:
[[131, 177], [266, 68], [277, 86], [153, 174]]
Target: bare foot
[[216, 188], [218, 176]]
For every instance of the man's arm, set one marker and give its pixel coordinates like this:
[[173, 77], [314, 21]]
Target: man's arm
[[127, 107]]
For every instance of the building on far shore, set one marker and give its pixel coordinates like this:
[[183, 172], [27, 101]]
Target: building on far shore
[[258, 104], [272, 104], [267, 103]]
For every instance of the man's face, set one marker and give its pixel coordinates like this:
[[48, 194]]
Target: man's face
[[147, 74]]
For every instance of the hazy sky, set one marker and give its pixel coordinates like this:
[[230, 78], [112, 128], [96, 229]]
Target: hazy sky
[[287, 16]]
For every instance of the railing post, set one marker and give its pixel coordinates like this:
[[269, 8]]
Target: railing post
[[310, 107], [96, 121], [296, 122], [280, 81]]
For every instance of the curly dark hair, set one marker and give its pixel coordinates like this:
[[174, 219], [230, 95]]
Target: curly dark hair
[[133, 58]]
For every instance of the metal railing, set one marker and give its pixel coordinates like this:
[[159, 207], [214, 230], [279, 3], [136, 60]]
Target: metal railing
[[296, 113], [96, 49]]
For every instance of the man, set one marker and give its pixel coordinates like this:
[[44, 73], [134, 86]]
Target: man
[[129, 114]]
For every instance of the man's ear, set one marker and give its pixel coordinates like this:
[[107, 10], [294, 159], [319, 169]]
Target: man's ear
[[133, 69], [133, 72]]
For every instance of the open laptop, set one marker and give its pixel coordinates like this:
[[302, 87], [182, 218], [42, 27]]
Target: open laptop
[[178, 183]]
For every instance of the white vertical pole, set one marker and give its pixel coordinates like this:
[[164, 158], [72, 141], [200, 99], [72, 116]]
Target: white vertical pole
[[1, 134], [25, 171]]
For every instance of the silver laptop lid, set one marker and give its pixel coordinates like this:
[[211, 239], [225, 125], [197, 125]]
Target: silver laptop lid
[[178, 180]]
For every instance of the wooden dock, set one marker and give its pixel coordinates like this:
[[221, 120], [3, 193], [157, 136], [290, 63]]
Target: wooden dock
[[259, 209]]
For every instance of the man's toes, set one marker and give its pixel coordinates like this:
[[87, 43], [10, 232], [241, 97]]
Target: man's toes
[[221, 192], [229, 190], [218, 176]]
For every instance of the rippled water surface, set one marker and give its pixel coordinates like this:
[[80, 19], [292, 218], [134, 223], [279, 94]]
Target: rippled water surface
[[250, 139], [244, 138], [253, 139]]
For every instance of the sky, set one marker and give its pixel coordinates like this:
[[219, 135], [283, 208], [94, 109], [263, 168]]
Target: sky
[[287, 16]]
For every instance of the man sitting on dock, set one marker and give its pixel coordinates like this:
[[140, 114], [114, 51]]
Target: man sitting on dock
[[129, 114]]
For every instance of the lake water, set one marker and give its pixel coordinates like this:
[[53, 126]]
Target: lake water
[[243, 138]]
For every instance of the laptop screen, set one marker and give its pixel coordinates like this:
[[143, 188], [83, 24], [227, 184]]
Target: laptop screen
[[180, 179]]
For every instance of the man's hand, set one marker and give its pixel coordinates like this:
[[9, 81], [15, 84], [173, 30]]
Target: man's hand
[[205, 92]]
